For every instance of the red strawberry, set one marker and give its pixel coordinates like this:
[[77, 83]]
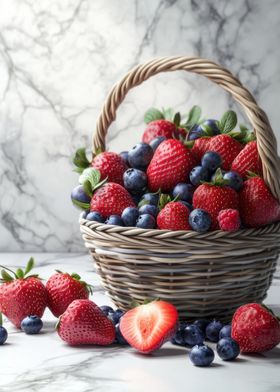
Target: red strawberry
[[148, 326], [213, 199], [110, 165], [22, 295], [111, 199], [63, 289], [159, 128], [247, 160], [258, 207], [171, 164], [200, 147], [227, 147], [84, 323], [255, 328], [174, 216]]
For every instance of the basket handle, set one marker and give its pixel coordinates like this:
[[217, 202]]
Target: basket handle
[[266, 141]]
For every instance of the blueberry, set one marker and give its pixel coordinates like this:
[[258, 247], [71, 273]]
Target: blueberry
[[114, 220], [149, 209], [198, 174], [124, 156], [210, 127], [202, 324], [228, 349], [136, 198], [115, 316], [213, 330], [3, 335], [235, 181], [135, 181], [178, 337], [185, 203], [95, 216], [31, 325], [140, 155], [200, 220], [151, 198], [156, 142], [106, 309], [119, 337], [193, 335], [225, 332], [202, 355], [78, 195], [84, 214], [211, 161], [183, 191], [146, 221], [129, 216], [195, 133]]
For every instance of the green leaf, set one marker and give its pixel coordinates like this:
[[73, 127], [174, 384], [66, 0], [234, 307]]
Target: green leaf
[[80, 159], [6, 276], [89, 179], [75, 276], [168, 114], [1, 320], [29, 266], [163, 200], [153, 114], [100, 184], [20, 273], [79, 204], [193, 116], [177, 119], [228, 121]]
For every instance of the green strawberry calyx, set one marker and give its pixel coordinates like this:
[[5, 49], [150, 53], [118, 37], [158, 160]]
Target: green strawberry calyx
[[8, 275], [78, 278], [218, 179], [135, 304], [165, 199]]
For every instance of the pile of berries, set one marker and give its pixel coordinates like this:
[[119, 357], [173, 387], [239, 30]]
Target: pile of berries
[[186, 174]]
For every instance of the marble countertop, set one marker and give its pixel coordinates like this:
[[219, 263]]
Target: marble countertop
[[45, 363]]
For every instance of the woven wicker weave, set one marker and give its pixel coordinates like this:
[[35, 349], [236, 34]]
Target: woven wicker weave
[[203, 275]]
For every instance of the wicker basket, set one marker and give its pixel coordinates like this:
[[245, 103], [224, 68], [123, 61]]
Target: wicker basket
[[203, 275]]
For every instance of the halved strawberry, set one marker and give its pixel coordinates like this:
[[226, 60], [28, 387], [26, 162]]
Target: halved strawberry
[[148, 326]]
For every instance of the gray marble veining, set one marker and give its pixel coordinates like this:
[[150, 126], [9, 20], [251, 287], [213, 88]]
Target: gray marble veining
[[58, 61]]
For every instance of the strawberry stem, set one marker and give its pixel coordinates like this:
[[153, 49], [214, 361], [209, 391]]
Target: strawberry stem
[[1, 319]]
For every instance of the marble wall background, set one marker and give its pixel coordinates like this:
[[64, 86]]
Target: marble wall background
[[58, 59]]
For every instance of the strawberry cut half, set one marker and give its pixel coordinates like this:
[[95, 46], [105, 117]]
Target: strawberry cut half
[[148, 326]]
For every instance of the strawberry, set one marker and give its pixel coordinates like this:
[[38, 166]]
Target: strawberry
[[84, 323], [63, 289], [174, 216], [213, 199], [258, 207], [110, 165], [22, 295], [170, 165], [200, 147], [255, 328], [147, 327], [159, 128], [247, 160], [227, 147], [111, 199]]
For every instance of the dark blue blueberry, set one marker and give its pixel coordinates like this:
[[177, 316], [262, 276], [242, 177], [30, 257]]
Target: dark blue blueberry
[[115, 316], [151, 198], [114, 220], [156, 142], [95, 216], [146, 221], [106, 309], [3, 335], [183, 191], [185, 203], [228, 349], [140, 155], [135, 181], [225, 332], [198, 174], [124, 156], [129, 216], [178, 337], [211, 161], [210, 127], [136, 198], [195, 133], [202, 324], [149, 209], [200, 220], [202, 355], [193, 335], [78, 194], [213, 330], [235, 181], [84, 214], [31, 325], [119, 337]]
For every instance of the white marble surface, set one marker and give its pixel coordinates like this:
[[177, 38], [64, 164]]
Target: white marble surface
[[58, 60], [43, 363]]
